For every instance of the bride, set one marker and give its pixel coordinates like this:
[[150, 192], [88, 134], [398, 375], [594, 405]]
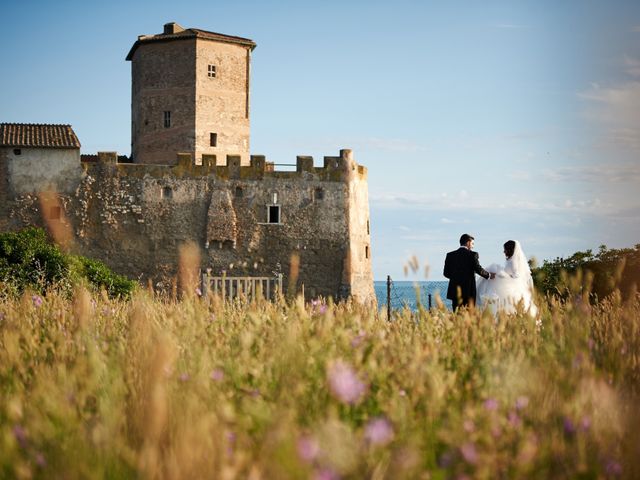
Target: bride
[[512, 284]]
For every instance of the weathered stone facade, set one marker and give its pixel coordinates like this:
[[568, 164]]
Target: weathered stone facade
[[246, 218], [135, 217]]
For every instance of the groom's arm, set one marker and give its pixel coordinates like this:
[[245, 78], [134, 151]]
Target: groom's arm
[[447, 267], [478, 268]]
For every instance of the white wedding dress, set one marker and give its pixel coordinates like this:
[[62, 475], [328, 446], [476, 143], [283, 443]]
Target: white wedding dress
[[513, 284]]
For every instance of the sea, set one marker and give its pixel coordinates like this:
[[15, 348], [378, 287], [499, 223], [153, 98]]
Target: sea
[[411, 294]]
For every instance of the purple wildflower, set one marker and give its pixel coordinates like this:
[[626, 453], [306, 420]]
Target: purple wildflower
[[613, 468], [344, 383], [569, 427], [217, 375], [468, 426], [318, 307], [21, 436], [358, 339], [198, 292], [469, 453], [308, 448], [514, 419], [378, 431], [37, 301], [402, 393], [40, 460], [184, 377], [491, 404], [231, 440], [585, 423], [446, 459], [522, 402], [325, 474]]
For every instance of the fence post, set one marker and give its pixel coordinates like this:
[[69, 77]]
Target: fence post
[[388, 298], [429, 301]]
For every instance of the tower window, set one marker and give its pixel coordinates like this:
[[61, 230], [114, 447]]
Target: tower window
[[368, 227], [167, 192], [211, 71], [167, 119], [213, 139], [273, 214], [319, 194], [366, 251], [17, 151], [55, 213], [238, 192]]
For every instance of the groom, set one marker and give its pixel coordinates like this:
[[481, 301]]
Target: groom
[[460, 268]]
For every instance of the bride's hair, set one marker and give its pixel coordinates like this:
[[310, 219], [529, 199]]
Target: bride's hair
[[509, 248]]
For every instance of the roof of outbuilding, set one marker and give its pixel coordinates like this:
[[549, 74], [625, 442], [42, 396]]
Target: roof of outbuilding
[[37, 135], [190, 33]]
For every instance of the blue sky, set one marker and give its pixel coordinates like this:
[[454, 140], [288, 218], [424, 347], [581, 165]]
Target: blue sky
[[506, 120]]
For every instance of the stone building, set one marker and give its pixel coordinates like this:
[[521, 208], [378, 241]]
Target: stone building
[[190, 94], [247, 218]]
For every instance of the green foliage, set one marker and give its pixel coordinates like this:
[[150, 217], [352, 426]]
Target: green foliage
[[29, 261], [101, 276], [599, 274]]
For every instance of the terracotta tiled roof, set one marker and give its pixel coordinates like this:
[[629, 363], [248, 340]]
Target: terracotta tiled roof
[[37, 135], [190, 33]]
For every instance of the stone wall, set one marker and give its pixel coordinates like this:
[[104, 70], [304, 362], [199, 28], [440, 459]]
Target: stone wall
[[163, 79], [135, 217]]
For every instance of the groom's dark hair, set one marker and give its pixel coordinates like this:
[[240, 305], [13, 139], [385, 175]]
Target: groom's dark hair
[[465, 238]]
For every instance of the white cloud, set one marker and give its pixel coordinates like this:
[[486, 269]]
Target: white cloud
[[520, 175], [447, 220], [617, 110], [599, 174], [632, 66], [492, 205]]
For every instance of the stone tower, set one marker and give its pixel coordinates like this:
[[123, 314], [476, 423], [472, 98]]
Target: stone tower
[[190, 94]]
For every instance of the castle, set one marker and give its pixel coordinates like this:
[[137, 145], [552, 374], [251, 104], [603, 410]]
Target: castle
[[190, 177]]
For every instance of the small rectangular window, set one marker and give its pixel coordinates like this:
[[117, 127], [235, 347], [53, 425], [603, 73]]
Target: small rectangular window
[[167, 119], [273, 214], [319, 194], [366, 251], [55, 213], [166, 193], [17, 151], [213, 139], [211, 71]]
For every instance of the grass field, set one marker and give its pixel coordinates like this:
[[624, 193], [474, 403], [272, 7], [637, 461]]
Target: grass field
[[150, 388]]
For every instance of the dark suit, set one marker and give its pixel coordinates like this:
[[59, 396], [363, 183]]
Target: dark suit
[[460, 268]]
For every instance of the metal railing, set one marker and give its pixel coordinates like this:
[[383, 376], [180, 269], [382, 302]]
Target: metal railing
[[247, 288]]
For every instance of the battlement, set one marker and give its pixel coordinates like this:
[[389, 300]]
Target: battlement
[[337, 169]]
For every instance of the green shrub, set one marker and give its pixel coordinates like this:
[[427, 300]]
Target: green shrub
[[101, 276], [29, 261], [599, 273]]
